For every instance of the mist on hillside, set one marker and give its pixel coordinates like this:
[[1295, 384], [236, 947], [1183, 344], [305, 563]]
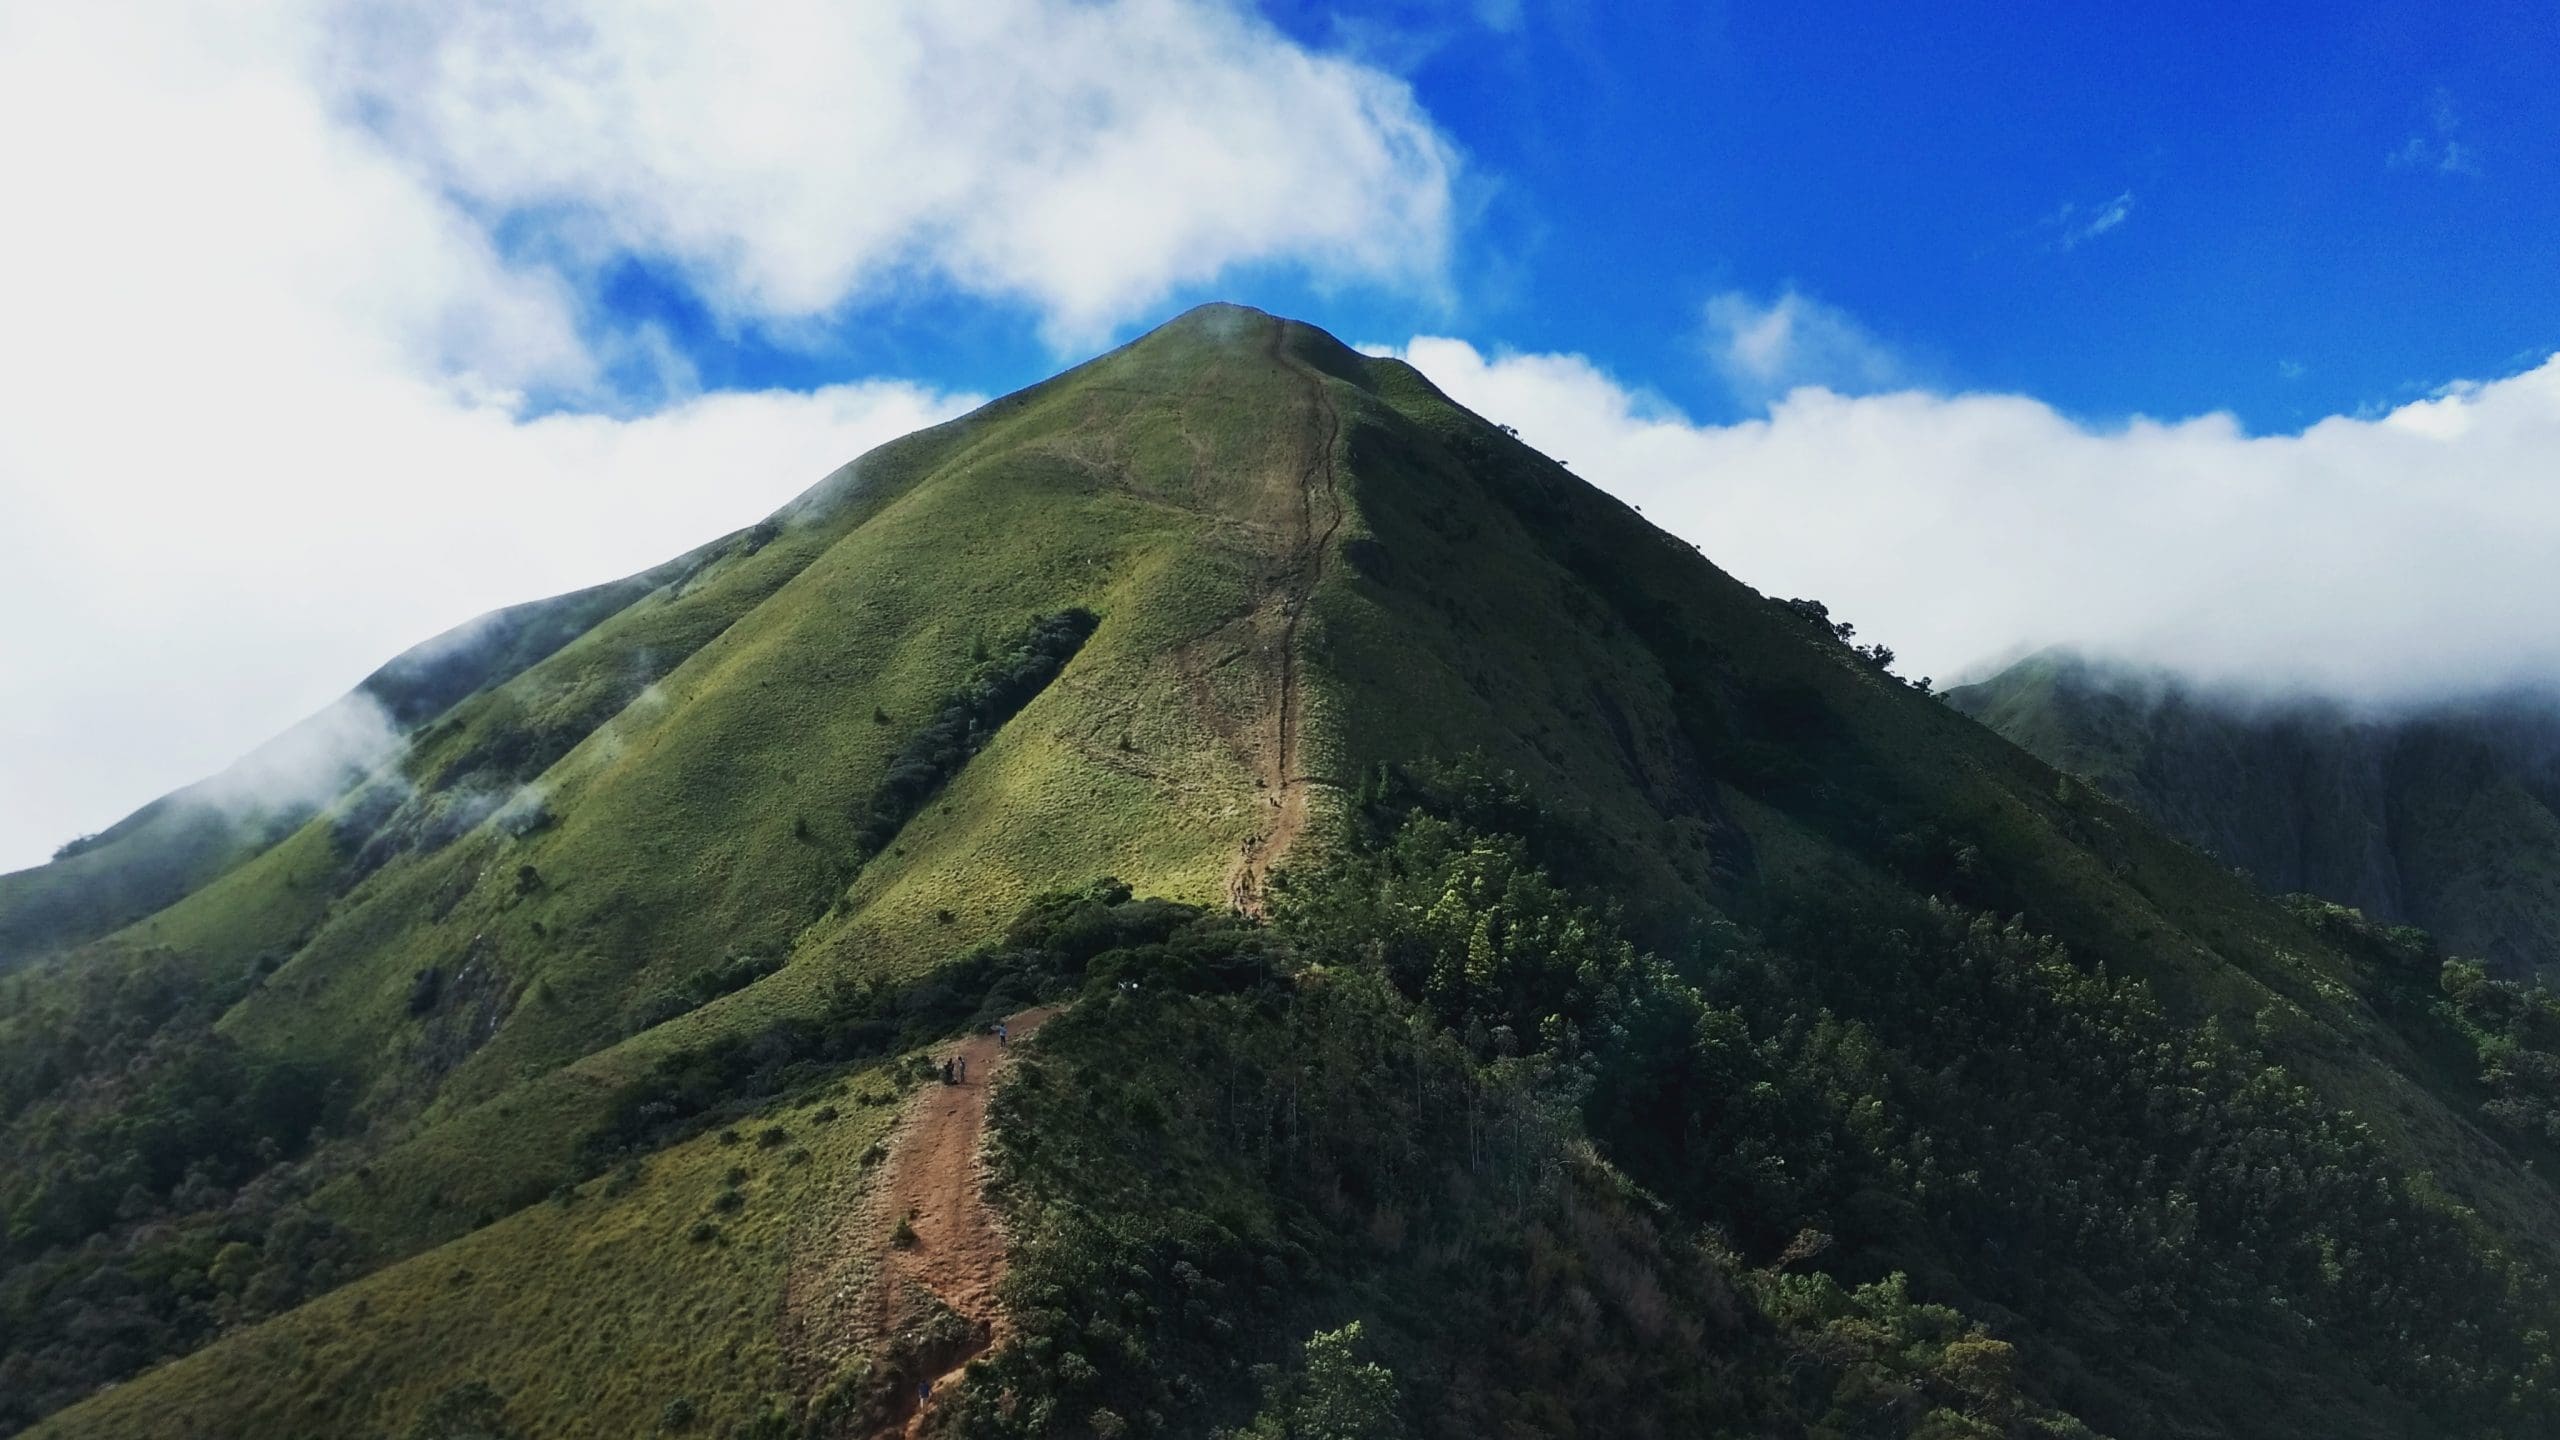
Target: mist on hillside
[[2524, 710], [297, 772]]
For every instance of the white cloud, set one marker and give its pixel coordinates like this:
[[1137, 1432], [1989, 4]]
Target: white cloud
[[1084, 157], [2382, 558], [1764, 350], [264, 366]]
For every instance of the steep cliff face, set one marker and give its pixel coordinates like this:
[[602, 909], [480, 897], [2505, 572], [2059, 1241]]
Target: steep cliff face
[[2445, 817]]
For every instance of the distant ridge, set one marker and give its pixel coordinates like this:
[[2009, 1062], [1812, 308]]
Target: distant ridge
[[2443, 816]]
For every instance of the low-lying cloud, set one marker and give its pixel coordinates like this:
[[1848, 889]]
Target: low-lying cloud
[[311, 764], [2394, 557]]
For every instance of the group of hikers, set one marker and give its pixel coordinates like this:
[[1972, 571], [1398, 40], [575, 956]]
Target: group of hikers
[[955, 1068]]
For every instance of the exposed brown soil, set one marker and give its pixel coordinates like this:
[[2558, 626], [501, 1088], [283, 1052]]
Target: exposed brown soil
[[837, 1301]]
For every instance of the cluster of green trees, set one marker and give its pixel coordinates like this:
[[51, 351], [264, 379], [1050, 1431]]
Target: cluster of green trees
[[1005, 681], [2512, 1028], [1041, 955], [1876, 1115], [2516, 1029], [151, 1179], [1948, 1094], [1877, 655], [1238, 1139]]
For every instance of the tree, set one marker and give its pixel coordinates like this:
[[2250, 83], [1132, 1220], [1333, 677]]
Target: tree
[[1335, 1395]]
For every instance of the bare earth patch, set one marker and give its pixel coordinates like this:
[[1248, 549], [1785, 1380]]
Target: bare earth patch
[[855, 1289]]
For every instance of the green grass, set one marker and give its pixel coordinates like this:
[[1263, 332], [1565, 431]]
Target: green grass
[[587, 1316], [705, 752]]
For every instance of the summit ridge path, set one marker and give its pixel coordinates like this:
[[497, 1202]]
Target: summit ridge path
[[1318, 518]]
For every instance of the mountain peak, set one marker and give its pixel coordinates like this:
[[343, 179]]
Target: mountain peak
[[1043, 704]]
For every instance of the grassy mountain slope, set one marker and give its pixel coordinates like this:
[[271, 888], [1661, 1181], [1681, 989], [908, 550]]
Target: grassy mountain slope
[[2447, 818], [634, 887], [175, 845]]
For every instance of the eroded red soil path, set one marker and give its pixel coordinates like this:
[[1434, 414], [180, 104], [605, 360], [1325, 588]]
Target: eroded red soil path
[[935, 1180]]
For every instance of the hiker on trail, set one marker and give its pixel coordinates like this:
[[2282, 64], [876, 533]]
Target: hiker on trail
[[964, 1069], [924, 1391], [1004, 1036], [946, 1071]]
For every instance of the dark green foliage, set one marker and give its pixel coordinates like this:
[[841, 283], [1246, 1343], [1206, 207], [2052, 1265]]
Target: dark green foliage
[[126, 1087], [2506, 1033], [1332, 1394], [1948, 1094], [1205, 1167], [966, 718], [148, 1181], [1047, 949], [701, 988], [425, 988], [2516, 1029]]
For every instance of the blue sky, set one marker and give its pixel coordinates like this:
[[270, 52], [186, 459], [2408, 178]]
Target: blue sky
[[2286, 212], [2219, 337]]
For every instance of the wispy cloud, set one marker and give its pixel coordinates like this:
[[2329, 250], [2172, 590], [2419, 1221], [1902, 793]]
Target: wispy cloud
[[2436, 147], [1763, 350], [2073, 225]]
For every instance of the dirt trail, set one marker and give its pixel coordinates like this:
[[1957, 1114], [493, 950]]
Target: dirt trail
[[850, 1291], [934, 1180], [1284, 781]]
